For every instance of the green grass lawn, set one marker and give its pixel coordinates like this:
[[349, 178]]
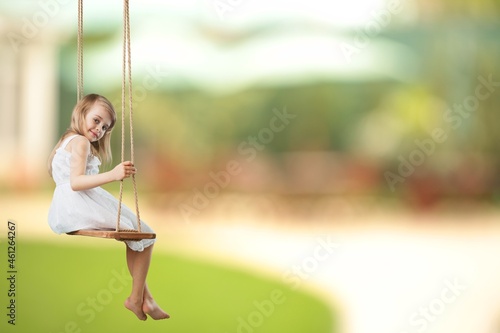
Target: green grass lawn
[[64, 288]]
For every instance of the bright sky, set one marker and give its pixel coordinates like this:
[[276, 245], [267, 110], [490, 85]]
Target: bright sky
[[302, 40], [229, 13]]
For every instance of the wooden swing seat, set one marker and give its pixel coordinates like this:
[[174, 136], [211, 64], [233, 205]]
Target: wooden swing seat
[[122, 235]]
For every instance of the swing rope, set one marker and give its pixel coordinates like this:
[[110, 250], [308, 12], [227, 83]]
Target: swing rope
[[118, 234], [79, 78], [127, 74]]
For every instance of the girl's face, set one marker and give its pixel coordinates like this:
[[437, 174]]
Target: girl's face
[[97, 122]]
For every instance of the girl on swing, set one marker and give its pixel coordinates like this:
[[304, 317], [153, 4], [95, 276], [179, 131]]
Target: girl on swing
[[80, 203]]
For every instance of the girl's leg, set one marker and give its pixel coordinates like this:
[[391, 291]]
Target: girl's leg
[[138, 265], [150, 307], [141, 301]]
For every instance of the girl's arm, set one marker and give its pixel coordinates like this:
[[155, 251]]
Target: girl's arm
[[80, 149]]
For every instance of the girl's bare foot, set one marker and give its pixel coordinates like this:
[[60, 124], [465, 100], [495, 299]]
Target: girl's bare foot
[[135, 307], [153, 310]]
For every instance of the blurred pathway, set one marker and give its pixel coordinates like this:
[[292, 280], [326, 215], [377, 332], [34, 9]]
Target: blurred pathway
[[382, 278]]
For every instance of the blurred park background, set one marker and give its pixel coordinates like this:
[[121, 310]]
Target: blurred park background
[[265, 128]]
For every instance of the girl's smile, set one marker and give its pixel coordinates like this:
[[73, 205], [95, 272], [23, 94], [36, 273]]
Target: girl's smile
[[97, 122]]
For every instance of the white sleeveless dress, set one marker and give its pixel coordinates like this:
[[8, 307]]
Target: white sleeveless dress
[[89, 209]]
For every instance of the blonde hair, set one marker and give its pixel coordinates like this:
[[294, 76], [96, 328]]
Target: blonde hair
[[100, 148]]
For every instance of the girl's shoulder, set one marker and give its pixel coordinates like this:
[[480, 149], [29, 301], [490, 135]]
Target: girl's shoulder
[[76, 142]]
